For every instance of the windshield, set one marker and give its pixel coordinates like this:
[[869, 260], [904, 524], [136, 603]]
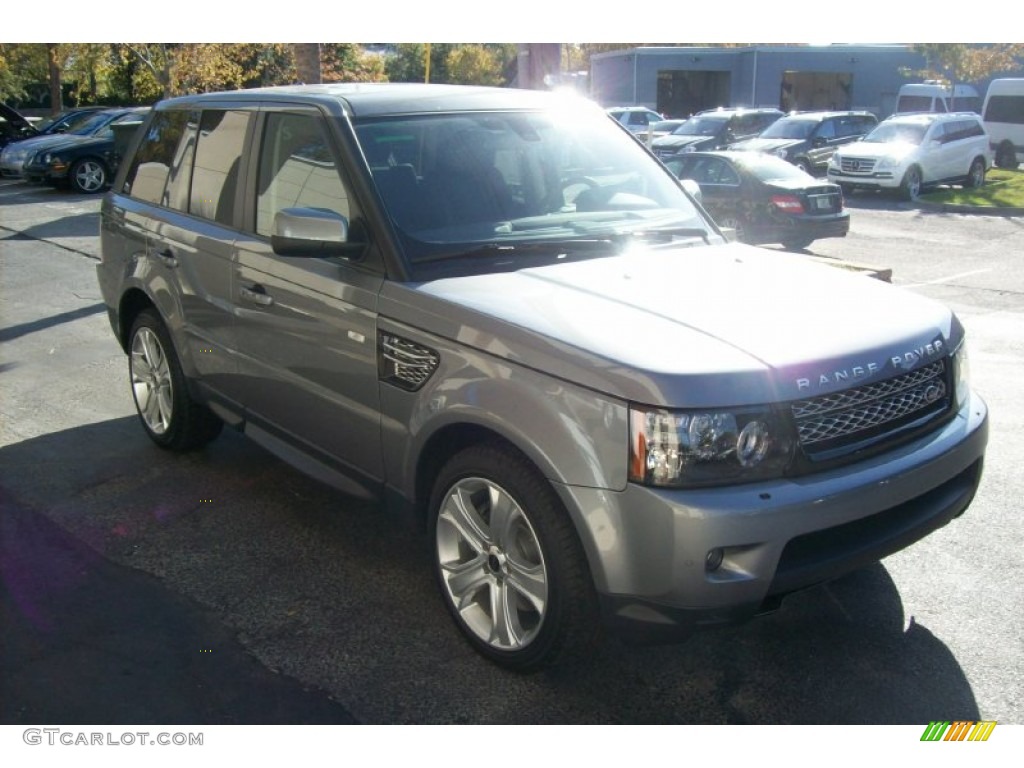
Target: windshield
[[906, 133], [520, 183], [789, 129], [91, 123], [701, 126]]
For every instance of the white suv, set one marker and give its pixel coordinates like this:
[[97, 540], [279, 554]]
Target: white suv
[[909, 152]]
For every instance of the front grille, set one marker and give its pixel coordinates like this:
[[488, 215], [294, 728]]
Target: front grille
[[840, 422], [857, 164]]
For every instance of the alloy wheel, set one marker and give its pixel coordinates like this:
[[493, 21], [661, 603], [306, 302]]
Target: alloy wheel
[[491, 564], [151, 381]]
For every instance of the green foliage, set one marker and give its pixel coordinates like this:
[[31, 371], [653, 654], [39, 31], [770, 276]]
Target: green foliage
[[1003, 189], [349, 63], [467, 64], [968, 63]]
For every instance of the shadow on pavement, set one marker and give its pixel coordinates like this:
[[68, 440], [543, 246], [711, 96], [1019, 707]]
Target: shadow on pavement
[[335, 594]]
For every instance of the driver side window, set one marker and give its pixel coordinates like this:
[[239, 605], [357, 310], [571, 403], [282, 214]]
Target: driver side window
[[296, 170]]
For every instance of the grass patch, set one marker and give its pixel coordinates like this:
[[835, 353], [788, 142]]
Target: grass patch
[[1003, 189]]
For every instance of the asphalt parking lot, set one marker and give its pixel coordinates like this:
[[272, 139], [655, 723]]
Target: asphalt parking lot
[[226, 587]]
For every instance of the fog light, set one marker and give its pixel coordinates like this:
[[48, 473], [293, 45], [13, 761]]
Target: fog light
[[714, 559]]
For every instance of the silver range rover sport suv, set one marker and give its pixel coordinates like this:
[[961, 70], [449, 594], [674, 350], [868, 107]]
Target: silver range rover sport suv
[[496, 310]]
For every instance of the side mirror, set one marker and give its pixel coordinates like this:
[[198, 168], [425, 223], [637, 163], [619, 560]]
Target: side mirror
[[692, 188], [312, 233]]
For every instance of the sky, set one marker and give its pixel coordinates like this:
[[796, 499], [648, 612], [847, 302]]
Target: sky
[[487, 21]]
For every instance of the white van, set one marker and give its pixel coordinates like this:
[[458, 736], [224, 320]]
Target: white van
[[933, 96], [1004, 120]]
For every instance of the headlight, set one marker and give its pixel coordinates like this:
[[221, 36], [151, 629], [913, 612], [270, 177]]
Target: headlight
[[781, 152], [46, 158], [886, 163], [699, 448], [962, 374]]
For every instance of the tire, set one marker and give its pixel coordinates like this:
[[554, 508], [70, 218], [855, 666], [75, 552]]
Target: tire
[[88, 176], [171, 418], [1006, 157], [732, 222], [910, 187], [976, 174], [508, 562], [797, 243]]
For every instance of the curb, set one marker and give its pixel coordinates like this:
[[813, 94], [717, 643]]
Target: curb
[[977, 210]]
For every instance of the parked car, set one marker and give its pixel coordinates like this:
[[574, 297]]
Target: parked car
[[765, 199], [15, 127], [14, 156], [907, 153], [635, 118], [808, 139], [1003, 117], [714, 129], [84, 163], [497, 312]]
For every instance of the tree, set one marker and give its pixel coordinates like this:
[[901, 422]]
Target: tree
[[349, 63], [473, 65], [967, 63]]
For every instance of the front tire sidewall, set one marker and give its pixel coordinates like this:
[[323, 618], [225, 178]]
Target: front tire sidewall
[[911, 186], [567, 612]]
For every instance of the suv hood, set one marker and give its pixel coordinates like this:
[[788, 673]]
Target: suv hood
[[895, 150], [702, 326], [677, 142], [764, 145]]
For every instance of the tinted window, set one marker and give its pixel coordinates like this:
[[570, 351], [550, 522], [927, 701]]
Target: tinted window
[[297, 170], [217, 159], [1005, 109], [154, 159]]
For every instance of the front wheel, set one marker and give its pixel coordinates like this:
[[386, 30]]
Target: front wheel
[[508, 561], [170, 416], [910, 189], [736, 224], [88, 176]]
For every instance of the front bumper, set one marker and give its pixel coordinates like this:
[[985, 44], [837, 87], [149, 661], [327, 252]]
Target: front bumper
[[890, 179], [44, 173], [648, 547]]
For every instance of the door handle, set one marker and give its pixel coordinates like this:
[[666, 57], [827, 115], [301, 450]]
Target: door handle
[[257, 295]]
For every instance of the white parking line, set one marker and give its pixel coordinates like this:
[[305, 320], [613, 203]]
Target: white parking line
[[948, 279]]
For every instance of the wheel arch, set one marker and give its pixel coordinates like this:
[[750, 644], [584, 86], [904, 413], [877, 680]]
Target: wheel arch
[[132, 303]]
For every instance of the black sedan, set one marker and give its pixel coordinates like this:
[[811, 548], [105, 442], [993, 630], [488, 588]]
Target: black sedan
[[765, 199], [85, 163]]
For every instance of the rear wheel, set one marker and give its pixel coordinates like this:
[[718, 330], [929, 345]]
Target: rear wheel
[[1006, 157], [910, 188], [976, 175], [508, 561], [736, 224], [170, 416], [797, 243]]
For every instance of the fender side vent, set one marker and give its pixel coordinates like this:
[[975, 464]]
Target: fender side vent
[[405, 363]]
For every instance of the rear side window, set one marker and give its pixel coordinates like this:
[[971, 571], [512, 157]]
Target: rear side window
[[1005, 109], [152, 164], [296, 170], [218, 156]]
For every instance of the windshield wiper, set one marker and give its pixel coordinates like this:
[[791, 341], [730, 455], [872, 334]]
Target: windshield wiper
[[541, 247], [664, 234]]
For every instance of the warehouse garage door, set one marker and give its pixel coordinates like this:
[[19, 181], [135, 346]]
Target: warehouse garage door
[[816, 91], [683, 92]]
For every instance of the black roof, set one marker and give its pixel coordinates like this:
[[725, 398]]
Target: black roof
[[370, 99]]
